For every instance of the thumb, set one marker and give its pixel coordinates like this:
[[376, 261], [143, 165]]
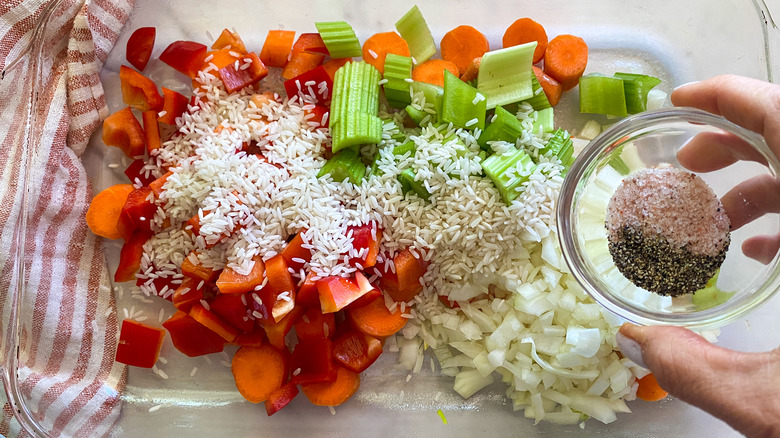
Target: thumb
[[740, 388]]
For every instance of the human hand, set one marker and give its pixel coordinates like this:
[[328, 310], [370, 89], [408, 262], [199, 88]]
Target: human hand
[[743, 389]]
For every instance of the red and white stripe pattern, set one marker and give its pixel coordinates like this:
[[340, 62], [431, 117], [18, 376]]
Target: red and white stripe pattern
[[66, 372]]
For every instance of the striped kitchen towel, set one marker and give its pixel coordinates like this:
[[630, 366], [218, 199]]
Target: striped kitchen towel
[[65, 375]]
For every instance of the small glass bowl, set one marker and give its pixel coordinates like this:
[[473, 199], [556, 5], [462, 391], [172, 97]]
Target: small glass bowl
[[653, 139]]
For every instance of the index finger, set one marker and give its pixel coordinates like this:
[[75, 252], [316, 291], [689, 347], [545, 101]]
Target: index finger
[[750, 103]]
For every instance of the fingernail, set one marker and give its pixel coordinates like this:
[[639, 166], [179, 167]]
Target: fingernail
[[684, 85], [630, 349]]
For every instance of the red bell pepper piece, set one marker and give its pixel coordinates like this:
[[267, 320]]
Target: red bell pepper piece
[[231, 282], [231, 40], [281, 398], [151, 131], [276, 47], [135, 171], [140, 46], [300, 63], [280, 282], [123, 131], [337, 292], [185, 57], [320, 115], [315, 325], [237, 78], [365, 299], [139, 344], [190, 267], [174, 105], [254, 338], [310, 42], [276, 331], [213, 322], [130, 256], [188, 293], [295, 254], [356, 351], [408, 270], [318, 75], [308, 296], [231, 308], [137, 213], [314, 359], [139, 91], [191, 337], [365, 238]]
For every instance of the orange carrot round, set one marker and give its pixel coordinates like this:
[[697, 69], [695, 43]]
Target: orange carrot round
[[552, 88], [524, 31], [649, 389], [103, 212], [333, 393], [432, 71], [565, 60], [375, 319], [376, 48], [258, 372], [461, 45]]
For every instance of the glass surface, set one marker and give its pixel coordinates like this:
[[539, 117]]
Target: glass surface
[[673, 40]]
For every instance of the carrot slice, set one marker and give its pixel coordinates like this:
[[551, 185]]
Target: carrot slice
[[375, 319], [335, 64], [432, 71], [277, 47], [524, 31], [229, 39], [300, 63], [258, 372], [122, 130], [376, 48], [461, 45], [472, 71], [103, 213], [649, 389], [552, 88], [333, 393], [565, 60], [231, 282]]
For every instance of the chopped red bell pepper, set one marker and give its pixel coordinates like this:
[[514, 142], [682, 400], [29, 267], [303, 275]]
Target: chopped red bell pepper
[[231, 308], [276, 48], [281, 398], [191, 337], [315, 325], [191, 267], [140, 46], [139, 91], [185, 57], [320, 115], [295, 254], [188, 293], [365, 299], [276, 331], [409, 270], [151, 131], [314, 359], [130, 256], [237, 78], [310, 42], [135, 171], [315, 77], [231, 40], [123, 131], [137, 213], [174, 105], [254, 338], [231, 282], [308, 296], [356, 351], [213, 322], [337, 292], [300, 63], [365, 239], [139, 344]]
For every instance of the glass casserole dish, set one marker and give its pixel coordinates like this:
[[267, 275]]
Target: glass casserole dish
[[678, 42]]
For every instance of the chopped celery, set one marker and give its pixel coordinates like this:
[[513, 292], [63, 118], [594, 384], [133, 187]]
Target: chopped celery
[[354, 106], [544, 119], [559, 145], [601, 94], [415, 114], [710, 295], [539, 100], [409, 184], [636, 87], [509, 171], [409, 146], [339, 39], [415, 31], [504, 127], [433, 94], [344, 165], [397, 70], [505, 75], [619, 165], [463, 105]]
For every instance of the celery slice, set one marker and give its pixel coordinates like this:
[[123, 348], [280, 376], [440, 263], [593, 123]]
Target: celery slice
[[359, 129], [509, 171], [354, 106], [539, 100], [545, 119], [505, 127], [409, 184], [601, 94], [505, 75], [415, 114], [397, 70], [636, 87], [463, 105], [415, 31], [339, 39], [559, 145], [432, 93], [409, 146], [344, 165]]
